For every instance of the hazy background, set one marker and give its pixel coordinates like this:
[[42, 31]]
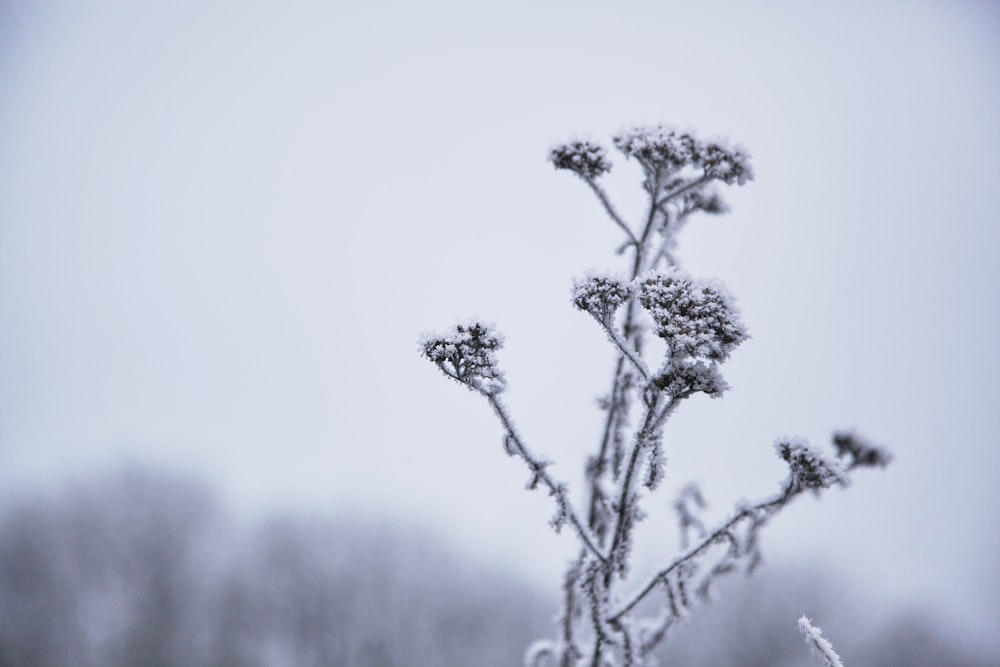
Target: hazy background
[[224, 225]]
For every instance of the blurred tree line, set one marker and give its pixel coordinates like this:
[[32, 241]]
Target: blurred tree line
[[143, 569]]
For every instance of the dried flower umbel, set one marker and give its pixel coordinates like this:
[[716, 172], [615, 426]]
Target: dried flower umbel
[[467, 354], [601, 624]]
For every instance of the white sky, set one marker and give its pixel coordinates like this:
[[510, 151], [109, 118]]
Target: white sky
[[224, 225]]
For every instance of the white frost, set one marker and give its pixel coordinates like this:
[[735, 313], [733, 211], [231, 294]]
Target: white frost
[[820, 645]]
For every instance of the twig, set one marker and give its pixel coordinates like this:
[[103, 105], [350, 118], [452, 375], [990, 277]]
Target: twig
[[538, 469]]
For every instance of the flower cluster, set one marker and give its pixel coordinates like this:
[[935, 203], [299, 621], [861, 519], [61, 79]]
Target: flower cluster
[[860, 451], [601, 296], [658, 146], [697, 319], [683, 379], [661, 148], [809, 468], [729, 165], [585, 158], [468, 355]]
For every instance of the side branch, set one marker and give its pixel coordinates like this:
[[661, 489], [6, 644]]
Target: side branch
[[628, 353], [611, 210], [697, 183], [537, 467], [758, 513]]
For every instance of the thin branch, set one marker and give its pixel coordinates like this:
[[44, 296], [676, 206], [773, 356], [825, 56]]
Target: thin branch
[[538, 468], [761, 512], [599, 191], [630, 354], [698, 182], [654, 180], [572, 652]]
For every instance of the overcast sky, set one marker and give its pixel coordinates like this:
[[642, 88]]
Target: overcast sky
[[224, 225]]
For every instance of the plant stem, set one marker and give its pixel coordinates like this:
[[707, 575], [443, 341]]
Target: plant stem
[[537, 467]]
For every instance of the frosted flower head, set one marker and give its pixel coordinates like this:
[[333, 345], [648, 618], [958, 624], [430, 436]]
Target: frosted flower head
[[467, 354], [659, 147], [809, 468], [584, 158], [860, 451], [601, 296], [729, 165], [683, 379], [695, 318]]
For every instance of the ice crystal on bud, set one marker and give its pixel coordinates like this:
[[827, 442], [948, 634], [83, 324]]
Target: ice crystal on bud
[[601, 296], [861, 452], [683, 379], [467, 354], [809, 468], [696, 318], [585, 158]]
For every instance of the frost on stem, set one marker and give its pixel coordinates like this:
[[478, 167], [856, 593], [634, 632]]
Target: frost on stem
[[821, 646], [467, 354], [809, 469], [584, 158], [695, 318]]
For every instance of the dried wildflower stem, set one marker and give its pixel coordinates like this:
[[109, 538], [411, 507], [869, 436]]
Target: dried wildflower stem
[[643, 439], [630, 339], [700, 326], [537, 467]]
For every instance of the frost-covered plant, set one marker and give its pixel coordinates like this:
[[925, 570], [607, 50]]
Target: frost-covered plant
[[601, 624], [820, 645]]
